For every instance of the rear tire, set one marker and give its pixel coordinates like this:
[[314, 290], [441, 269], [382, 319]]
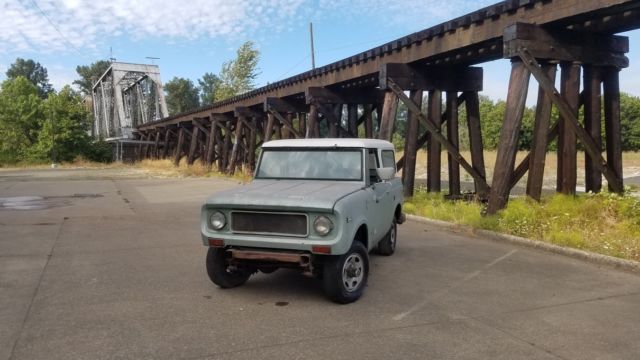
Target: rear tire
[[387, 246], [345, 276], [221, 274]]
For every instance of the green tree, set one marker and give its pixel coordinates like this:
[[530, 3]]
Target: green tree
[[20, 118], [630, 122], [64, 134], [182, 95], [491, 117], [238, 75], [89, 74], [208, 86], [32, 71]]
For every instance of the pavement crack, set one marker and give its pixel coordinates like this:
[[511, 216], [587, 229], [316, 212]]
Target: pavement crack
[[453, 286], [119, 193], [37, 289], [575, 302]]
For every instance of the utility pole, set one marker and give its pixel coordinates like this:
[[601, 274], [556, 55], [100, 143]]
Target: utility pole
[[313, 55], [153, 59]]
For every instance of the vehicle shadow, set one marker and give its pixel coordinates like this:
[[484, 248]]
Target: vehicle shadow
[[284, 282]]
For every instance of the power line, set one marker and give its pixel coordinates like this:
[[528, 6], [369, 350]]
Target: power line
[[293, 67], [330, 50], [64, 38]]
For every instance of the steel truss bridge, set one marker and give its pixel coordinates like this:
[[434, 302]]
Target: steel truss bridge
[[360, 95], [125, 96]]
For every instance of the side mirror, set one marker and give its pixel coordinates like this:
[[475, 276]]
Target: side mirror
[[387, 173]]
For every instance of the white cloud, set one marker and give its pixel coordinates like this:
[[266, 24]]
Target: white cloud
[[85, 24], [59, 76]]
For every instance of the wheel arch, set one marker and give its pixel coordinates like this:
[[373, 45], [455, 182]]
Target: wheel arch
[[398, 212], [362, 235]]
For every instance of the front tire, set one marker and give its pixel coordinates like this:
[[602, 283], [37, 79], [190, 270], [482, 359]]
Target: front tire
[[221, 274], [387, 246], [345, 276]]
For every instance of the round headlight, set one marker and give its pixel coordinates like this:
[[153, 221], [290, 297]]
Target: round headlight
[[322, 225], [217, 220]]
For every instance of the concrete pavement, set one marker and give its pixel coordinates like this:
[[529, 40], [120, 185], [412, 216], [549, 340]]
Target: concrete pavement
[[113, 268]]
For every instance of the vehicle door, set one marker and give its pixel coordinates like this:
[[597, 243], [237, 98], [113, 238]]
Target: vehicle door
[[393, 188], [377, 192]]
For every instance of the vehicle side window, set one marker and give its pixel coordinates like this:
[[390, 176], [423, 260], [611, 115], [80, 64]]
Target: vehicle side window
[[373, 164], [388, 159]]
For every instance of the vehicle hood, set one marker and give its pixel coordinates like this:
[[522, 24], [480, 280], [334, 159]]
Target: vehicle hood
[[285, 195]]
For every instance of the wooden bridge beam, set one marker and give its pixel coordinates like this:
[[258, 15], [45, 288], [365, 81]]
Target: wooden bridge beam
[[433, 77], [609, 171], [613, 132], [285, 121], [313, 129], [423, 138], [233, 160], [593, 123], [328, 96], [352, 120], [388, 115], [434, 149], [566, 45], [411, 145], [330, 113], [212, 150], [368, 120], [268, 129], [472, 104], [156, 145], [334, 118], [178, 150], [165, 147], [143, 137], [567, 141], [508, 145], [454, 137], [283, 106], [528, 43], [251, 158], [436, 133]]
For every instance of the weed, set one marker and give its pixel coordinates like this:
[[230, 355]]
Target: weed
[[605, 223]]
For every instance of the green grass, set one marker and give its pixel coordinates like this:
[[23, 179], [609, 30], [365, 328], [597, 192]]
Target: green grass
[[604, 223]]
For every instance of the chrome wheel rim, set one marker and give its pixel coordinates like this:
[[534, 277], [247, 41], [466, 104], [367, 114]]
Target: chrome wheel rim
[[353, 272]]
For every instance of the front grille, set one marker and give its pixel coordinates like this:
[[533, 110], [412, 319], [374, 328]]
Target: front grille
[[269, 223]]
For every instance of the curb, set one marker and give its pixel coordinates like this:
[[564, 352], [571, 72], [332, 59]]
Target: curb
[[610, 261]]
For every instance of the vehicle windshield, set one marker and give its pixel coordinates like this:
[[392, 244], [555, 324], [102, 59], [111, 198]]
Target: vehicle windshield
[[311, 164]]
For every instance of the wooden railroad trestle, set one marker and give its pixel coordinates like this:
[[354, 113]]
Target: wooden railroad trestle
[[367, 107]]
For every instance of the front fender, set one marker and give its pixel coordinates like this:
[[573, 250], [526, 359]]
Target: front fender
[[351, 212]]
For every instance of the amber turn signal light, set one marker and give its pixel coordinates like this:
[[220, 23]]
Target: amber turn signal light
[[216, 242], [321, 249]]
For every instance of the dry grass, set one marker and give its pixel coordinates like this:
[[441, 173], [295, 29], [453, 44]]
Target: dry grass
[[604, 223], [630, 160], [166, 168]]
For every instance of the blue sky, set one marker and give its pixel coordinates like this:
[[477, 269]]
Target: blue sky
[[194, 37]]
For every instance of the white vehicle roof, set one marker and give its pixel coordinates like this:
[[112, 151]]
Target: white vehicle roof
[[330, 143]]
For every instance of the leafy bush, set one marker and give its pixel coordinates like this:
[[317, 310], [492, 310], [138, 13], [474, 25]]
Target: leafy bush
[[99, 151]]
